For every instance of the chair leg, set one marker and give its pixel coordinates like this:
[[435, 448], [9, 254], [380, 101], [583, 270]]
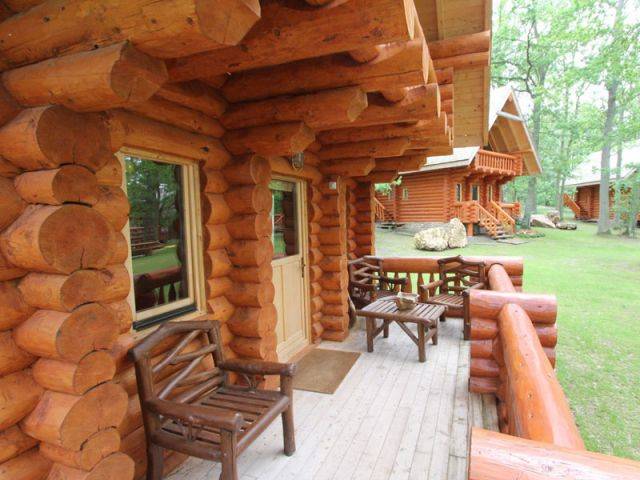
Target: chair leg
[[422, 355], [288, 431], [229, 456], [385, 331], [370, 327], [155, 462], [443, 318]]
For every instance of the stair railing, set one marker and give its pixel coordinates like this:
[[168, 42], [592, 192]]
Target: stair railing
[[487, 220], [379, 210], [570, 202], [503, 217]]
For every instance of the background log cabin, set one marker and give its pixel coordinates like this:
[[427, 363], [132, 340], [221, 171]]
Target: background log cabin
[[468, 184], [232, 94], [585, 202]]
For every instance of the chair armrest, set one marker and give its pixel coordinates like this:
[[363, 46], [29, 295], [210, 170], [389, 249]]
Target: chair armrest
[[400, 281], [477, 286], [258, 367], [427, 288], [196, 414], [363, 286]]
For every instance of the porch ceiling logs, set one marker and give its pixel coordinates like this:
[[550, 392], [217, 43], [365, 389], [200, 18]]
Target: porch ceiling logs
[[109, 77], [276, 139], [290, 30], [135, 131], [318, 110], [348, 167], [461, 45], [382, 176], [469, 60], [254, 318], [392, 147], [421, 103], [195, 95], [397, 65], [421, 129], [445, 76], [46, 137], [402, 164], [160, 29]]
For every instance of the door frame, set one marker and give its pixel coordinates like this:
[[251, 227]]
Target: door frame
[[303, 239]]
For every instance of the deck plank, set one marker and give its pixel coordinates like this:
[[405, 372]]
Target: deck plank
[[391, 418]]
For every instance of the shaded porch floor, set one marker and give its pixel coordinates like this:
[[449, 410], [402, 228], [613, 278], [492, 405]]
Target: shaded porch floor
[[391, 418]]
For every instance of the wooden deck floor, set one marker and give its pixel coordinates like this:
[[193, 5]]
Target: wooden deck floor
[[391, 418]]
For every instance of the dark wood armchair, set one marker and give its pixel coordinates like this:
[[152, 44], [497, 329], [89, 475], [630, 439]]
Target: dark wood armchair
[[367, 283], [189, 405], [456, 276]]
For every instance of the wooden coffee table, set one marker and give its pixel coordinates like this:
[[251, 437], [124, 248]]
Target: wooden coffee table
[[426, 316]]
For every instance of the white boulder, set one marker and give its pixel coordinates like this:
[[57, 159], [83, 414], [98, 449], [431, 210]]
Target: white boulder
[[538, 220], [457, 234], [450, 235]]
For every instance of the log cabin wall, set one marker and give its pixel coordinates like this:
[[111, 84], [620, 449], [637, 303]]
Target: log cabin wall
[[364, 220], [588, 199]]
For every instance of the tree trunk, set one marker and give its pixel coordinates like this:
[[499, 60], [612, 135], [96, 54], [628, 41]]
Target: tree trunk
[[604, 223], [532, 183], [617, 193]]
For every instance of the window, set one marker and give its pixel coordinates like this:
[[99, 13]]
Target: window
[[458, 192], [163, 233], [475, 192], [284, 219], [405, 193], [490, 192]]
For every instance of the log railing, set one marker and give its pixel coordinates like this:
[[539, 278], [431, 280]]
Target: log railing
[[158, 287], [380, 211], [497, 161], [514, 334], [503, 217], [569, 202], [513, 209]]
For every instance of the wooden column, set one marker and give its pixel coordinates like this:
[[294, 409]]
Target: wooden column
[[315, 259], [334, 279], [365, 227], [351, 221], [61, 299]]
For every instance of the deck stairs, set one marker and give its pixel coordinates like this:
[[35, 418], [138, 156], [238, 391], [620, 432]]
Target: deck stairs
[[578, 211], [383, 216], [498, 224]]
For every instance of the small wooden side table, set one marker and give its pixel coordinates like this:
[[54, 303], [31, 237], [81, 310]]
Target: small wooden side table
[[426, 316]]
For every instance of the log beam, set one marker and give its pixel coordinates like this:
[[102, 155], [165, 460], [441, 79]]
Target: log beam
[[278, 139], [349, 167], [461, 45], [422, 129], [393, 147], [287, 33]]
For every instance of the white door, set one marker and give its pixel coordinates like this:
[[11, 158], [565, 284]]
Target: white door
[[289, 276]]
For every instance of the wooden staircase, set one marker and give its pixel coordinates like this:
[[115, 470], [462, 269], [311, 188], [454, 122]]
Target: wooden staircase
[[575, 208], [384, 217], [499, 224]]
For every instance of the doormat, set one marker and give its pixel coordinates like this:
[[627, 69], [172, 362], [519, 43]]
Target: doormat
[[323, 370]]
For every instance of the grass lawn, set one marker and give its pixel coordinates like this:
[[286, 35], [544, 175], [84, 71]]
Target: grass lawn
[[162, 258], [597, 282]]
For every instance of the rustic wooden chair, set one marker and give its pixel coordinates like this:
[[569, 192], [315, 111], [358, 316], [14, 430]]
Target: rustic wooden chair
[[367, 283], [190, 406], [456, 276]]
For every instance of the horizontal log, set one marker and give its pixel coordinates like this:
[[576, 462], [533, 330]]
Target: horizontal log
[[110, 77], [348, 167], [67, 184], [259, 348], [13, 442], [26, 466], [496, 456], [483, 367], [111, 173], [165, 111], [157, 29], [97, 447], [283, 166], [215, 209], [403, 164], [336, 324], [459, 62], [249, 199], [12, 357], [11, 205], [75, 378], [257, 274], [380, 176], [9, 108], [401, 64], [52, 334], [320, 110], [216, 263], [483, 385], [215, 236], [215, 287], [117, 465], [58, 239], [20, 395], [429, 264], [154, 136], [252, 294], [61, 419], [483, 328], [277, 139], [393, 147], [212, 181], [421, 103], [220, 309], [445, 76], [253, 322], [250, 227], [47, 137], [248, 170], [195, 95], [488, 304], [287, 32], [13, 308], [533, 386], [460, 45], [120, 251]]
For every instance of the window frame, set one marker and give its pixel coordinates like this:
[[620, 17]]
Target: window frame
[[475, 186], [458, 192], [194, 305], [490, 193], [405, 193]]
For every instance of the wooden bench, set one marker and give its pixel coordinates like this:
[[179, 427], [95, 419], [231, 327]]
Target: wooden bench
[[190, 406]]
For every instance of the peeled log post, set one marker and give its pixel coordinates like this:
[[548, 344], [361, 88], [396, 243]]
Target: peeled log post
[[13, 309], [67, 184], [46, 137], [110, 77], [20, 395], [499, 279], [318, 110], [68, 420], [98, 446], [248, 170], [58, 239], [537, 406], [66, 292], [158, 29], [13, 442], [288, 32], [278, 139], [12, 357], [30, 465], [11, 205], [68, 336], [75, 378], [113, 204]]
